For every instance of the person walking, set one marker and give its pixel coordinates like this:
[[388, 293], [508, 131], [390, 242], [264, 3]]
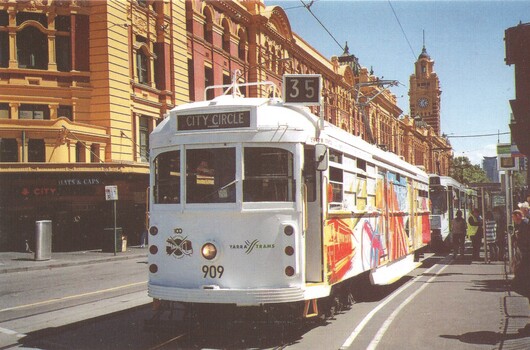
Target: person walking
[[521, 267], [458, 230], [491, 237], [474, 232]]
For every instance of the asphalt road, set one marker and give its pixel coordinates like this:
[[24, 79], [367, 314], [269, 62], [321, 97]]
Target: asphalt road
[[444, 304]]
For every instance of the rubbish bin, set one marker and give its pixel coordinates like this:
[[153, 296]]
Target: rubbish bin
[[43, 240], [108, 240]]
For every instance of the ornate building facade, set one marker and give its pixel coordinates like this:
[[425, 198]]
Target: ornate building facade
[[83, 83]]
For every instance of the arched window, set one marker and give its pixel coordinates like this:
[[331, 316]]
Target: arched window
[[208, 23], [226, 36], [142, 67], [242, 47], [32, 49]]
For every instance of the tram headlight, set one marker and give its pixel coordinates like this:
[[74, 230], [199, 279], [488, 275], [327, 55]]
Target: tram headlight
[[209, 251]]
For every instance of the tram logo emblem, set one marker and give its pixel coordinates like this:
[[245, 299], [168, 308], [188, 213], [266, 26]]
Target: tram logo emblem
[[249, 246], [179, 246]]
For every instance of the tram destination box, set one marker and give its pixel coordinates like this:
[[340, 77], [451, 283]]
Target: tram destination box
[[217, 120]]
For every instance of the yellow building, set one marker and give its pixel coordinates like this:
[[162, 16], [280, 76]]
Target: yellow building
[[82, 84]]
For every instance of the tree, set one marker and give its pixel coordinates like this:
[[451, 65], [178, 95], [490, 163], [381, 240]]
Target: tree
[[464, 172]]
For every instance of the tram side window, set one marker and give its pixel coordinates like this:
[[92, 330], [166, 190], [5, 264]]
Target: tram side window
[[268, 175], [336, 181], [211, 175], [167, 178]]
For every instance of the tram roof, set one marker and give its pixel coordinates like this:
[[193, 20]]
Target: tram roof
[[276, 122]]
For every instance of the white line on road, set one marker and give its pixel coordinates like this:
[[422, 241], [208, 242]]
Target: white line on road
[[372, 313], [11, 332], [373, 344], [71, 297]]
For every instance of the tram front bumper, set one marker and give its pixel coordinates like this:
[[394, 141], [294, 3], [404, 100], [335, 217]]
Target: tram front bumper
[[240, 297]]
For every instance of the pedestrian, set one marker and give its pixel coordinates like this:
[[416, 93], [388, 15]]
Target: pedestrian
[[474, 232], [525, 209], [521, 266], [491, 237], [458, 230]]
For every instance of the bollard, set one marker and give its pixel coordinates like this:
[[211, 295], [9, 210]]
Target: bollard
[[43, 240]]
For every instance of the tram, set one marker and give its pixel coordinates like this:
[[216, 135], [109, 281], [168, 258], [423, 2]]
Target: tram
[[257, 203], [447, 197]]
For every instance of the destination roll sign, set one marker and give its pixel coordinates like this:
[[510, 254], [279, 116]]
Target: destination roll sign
[[220, 120]]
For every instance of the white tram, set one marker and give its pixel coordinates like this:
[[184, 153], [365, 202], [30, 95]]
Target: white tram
[[253, 204], [447, 197]]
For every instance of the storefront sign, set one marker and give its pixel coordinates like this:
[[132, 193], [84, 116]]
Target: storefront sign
[[78, 182], [39, 191], [221, 120]]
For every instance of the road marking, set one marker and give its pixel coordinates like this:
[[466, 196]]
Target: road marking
[[51, 301], [11, 332], [372, 313], [373, 344], [7, 331]]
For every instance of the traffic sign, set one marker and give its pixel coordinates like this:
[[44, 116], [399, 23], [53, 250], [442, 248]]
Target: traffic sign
[[111, 193], [304, 89]]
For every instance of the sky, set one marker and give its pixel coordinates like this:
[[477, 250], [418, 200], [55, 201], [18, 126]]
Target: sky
[[465, 39]]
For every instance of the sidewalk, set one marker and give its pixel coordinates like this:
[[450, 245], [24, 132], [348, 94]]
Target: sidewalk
[[20, 262]]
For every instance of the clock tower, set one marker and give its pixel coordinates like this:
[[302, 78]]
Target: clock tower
[[425, 92]]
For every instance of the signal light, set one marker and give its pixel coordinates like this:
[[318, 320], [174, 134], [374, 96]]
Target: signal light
[[289, 271], [153, 230], [289, 250], [153, 249], [288, 230], [153, 268]]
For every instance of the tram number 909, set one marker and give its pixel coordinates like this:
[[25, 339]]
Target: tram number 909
[[213, 271]]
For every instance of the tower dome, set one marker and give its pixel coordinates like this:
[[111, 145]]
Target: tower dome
[[424, 54]]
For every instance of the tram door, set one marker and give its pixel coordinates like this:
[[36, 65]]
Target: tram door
[[313, 235]]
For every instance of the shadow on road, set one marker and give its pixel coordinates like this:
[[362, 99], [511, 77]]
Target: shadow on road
[[490, 338]]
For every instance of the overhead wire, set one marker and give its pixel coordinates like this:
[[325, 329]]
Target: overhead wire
[[402, 30], [478, 135], [308, 8]]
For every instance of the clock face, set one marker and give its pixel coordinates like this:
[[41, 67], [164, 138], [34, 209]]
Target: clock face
[[423, 102]]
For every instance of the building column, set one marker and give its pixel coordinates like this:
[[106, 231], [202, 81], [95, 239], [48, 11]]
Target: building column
[[23, 148], [53, 110], [52, 57], [14, 106], [13, 62]]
